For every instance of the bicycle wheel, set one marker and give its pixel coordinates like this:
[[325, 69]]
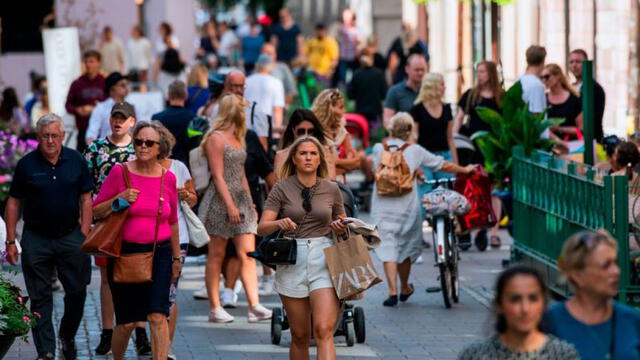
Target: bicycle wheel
[[445, 284], [453, 267]]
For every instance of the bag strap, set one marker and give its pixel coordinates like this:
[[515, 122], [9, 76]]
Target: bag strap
[[160, 206], [403, 147], [125, 175], [253, 108]]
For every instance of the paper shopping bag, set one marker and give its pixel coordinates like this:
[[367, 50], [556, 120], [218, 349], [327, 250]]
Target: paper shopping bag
[[350, 266]]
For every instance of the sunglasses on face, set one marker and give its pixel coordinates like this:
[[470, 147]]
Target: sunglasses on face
[[304, 131], [147, 143], [306, 199], [545, 77]]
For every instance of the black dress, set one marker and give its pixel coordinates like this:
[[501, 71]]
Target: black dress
[[568, 110], [432, 134], [475, 123]]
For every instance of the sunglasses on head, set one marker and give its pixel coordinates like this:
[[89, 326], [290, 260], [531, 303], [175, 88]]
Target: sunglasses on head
[[147, 143], [304, 132], [306, 199]]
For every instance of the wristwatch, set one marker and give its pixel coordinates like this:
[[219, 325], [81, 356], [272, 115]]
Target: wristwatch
[[10, 242], [178, 258]]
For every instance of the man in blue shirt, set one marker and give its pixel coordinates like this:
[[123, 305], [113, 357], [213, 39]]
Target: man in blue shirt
[[176, 118], [53, 184], [401, 96]]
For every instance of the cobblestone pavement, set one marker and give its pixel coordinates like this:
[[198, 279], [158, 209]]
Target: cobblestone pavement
[[420, 329]]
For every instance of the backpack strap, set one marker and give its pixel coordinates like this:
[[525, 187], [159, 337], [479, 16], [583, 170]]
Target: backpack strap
[[253, 108], [404, 146]]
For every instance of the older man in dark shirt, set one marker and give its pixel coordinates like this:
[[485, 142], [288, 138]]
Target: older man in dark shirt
[[54, 186]]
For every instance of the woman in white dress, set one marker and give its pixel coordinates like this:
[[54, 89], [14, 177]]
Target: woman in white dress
[[399, 218]]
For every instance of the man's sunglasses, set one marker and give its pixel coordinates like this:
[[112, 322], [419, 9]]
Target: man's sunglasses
[[147, 143], [304, 132]]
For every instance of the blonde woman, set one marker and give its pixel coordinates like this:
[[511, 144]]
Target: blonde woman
[[197, 88], [227, 209], [564, 102], [398, 217], [328, 107], [598, 326], [307, 205]]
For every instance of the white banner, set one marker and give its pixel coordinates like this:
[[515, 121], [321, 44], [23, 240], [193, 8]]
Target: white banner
[[62, 64]]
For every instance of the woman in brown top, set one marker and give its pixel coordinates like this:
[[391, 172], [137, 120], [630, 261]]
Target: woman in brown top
[[306, 206]]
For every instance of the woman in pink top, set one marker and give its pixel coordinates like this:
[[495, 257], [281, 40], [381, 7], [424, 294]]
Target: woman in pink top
[[147, 301]]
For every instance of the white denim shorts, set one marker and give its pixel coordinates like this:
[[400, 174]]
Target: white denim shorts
[[310, 271]]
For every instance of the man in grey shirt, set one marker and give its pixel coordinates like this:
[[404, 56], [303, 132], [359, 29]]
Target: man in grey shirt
[[283, 73], [401, 96]]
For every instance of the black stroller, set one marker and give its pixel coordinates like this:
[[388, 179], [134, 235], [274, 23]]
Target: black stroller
[[351, 324]]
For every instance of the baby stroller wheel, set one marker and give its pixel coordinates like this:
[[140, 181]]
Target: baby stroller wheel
[[350, 333], [276, 326], [359, 324], [481, 240], [464, 241]]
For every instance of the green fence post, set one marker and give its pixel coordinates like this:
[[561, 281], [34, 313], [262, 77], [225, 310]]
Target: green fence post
[[621, 193], [587, 110], [608, 204]]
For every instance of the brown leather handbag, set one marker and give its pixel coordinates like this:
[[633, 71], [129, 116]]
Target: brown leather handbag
[[138, 267], [105, 239]]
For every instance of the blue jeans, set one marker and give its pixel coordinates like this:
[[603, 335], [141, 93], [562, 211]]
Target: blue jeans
[[432, 175]]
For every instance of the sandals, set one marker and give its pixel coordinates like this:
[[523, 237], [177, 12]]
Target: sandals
[[495, 241]]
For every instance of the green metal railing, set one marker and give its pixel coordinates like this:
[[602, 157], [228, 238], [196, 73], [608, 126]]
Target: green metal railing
[[554, 198]]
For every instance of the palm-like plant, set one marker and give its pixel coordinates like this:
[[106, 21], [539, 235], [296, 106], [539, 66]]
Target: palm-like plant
[[516, 126]]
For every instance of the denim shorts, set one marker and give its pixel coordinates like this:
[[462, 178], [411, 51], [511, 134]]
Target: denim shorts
[[310, 271]]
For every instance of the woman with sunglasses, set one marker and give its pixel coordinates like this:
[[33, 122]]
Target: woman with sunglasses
[[227, 210], [153, 202], [328, 107], [564, 102], [302, 123], [519, 303], [597, 325], [306, 206]]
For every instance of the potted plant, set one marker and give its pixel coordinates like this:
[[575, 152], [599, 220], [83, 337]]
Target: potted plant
[[15, 317], [516, 126]]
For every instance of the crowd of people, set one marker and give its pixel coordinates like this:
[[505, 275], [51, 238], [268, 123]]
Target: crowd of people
[[268, 167]]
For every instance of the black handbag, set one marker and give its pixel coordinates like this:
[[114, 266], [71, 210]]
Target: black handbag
[[281, 250]]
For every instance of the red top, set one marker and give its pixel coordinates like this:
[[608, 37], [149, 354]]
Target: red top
[[84, 91], [141, 222]]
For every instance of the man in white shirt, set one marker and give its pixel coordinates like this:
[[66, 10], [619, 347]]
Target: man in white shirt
[[532, 88], [228, 43], [112, 52], [117, 86], [267, 91], [258, 121]]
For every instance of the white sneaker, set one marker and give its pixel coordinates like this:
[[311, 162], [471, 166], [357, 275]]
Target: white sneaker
[[266, 285], [228, 298], [258, 313], [220, 315], [201, 294], [171, 357], [419, 260]]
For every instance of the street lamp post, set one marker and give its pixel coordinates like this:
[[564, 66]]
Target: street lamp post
[[587, 110]]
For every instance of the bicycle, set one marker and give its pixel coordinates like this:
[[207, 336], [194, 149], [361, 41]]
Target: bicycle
[[445, 245]]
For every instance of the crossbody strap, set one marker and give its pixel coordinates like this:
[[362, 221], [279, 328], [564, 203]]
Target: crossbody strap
[[125, 175], [160, 206]]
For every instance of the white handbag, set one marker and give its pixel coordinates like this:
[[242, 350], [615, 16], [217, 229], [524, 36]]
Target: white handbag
[[198, 236]]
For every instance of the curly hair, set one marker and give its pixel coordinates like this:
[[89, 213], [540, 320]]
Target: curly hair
[[322, 108], [430, 89], [164, 150]]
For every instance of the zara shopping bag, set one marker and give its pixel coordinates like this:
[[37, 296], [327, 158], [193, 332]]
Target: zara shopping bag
[[350, 266]]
